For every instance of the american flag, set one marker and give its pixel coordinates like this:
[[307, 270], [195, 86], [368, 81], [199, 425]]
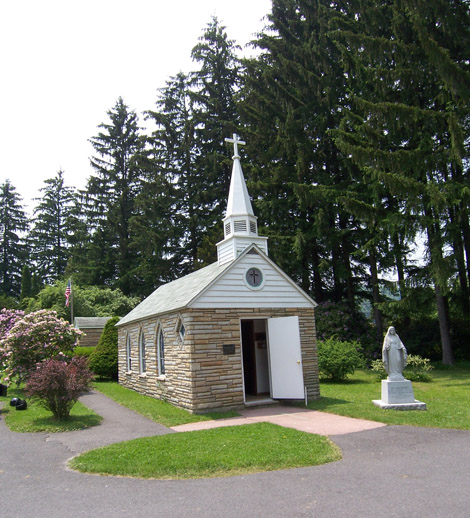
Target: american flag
[[68, 292]]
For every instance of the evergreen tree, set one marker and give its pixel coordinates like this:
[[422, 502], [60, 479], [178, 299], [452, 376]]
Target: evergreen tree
[[103, 360], [155, 232], [190, 163], [110, 199], [80, 257], [13, 251], [405, 121], [172, 157], [36, 285], [26, 283], [213, 89], [289, 100], [53, 228]]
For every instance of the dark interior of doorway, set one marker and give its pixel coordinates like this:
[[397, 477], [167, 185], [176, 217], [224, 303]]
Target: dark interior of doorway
[[255, 359]]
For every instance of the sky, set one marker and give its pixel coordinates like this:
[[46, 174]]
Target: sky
[[64, 64]]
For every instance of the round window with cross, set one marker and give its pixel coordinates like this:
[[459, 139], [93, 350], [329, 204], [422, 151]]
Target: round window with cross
[[254, 277]]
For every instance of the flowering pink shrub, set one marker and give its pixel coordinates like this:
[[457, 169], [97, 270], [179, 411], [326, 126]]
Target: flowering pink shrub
[[8, 318], [57, 384], [33, 338]]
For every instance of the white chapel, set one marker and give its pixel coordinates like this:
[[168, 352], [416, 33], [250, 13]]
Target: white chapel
[[238, 332]]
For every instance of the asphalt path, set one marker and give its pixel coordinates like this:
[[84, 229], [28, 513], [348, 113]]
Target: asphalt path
[[394, 471]]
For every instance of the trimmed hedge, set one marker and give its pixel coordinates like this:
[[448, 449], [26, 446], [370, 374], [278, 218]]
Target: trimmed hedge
[[79, 352], [103, 360]]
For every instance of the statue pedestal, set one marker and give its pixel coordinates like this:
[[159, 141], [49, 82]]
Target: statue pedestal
[[398, 395]]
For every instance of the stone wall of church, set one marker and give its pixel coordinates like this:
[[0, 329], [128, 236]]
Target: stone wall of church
[[175, 385], [217, 378], [199, 376]]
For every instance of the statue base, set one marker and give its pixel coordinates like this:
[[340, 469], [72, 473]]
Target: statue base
[[398, 395]]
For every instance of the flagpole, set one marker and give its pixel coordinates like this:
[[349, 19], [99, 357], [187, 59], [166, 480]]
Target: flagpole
[[69, 298], [71, 302]]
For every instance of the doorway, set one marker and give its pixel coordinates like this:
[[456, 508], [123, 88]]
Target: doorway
[[272, 359], [255, 359]]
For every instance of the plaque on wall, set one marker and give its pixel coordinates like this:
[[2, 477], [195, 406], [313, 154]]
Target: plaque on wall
[[229, 348]]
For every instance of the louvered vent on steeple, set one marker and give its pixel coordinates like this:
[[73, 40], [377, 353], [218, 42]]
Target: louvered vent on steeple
[[240, 228]]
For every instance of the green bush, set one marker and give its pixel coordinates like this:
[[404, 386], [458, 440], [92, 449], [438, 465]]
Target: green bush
[[79, 352], [103, 360], [378, 367], [417, 368], [337, 359], [88, 301]]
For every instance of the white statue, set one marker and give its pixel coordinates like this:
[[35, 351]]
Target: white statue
[[394, 355]]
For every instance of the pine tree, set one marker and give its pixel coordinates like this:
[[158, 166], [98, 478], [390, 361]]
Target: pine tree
[[213, 87], [173, 157], [194, 112], [289, 100], [53, 228], [26, 283], [155, 230], [405, 121], [110, 199], [13, 251]]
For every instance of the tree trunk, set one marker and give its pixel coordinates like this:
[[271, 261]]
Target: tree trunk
[[457, 243], [435, 248], [444, 326], [399, 263], [335, 262], [466, 239], [317, 280], [375, 294], [346, 259]]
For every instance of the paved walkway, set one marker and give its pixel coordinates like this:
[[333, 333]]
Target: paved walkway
[[391, 471], [119, 424], [301, 419]]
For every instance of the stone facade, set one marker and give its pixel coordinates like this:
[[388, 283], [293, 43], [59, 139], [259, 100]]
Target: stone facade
[[198, 375]]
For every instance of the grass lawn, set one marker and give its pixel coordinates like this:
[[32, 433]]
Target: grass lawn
[[155, 409], [218, 452], [37, 419], [447, 399]]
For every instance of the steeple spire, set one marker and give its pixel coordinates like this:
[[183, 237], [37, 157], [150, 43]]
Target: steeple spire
[[238, 199], [240, 227]]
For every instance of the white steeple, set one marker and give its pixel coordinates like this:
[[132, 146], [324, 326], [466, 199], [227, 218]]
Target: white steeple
[[240, 227]]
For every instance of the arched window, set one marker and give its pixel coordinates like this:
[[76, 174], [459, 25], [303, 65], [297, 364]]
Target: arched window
[[161, 353], [180, 329], [128, 353], [143, 366]]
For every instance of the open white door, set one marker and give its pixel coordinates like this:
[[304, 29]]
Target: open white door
[[285, 358]]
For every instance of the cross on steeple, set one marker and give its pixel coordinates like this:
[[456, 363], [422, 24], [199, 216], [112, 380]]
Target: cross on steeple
[[240, 227], [236, 142]]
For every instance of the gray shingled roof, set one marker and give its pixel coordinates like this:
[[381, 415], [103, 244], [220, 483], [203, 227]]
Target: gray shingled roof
[[175, 295], [90, 322]]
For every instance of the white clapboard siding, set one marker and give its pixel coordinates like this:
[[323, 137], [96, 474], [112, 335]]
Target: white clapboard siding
[[233, 246], [231, 291]]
